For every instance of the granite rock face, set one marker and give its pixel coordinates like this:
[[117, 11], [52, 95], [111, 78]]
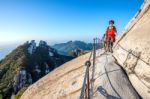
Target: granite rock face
[[66, 81], [132, 50]]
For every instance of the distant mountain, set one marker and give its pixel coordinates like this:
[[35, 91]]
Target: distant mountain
[[6, 49], [25, 65], [66, 48]]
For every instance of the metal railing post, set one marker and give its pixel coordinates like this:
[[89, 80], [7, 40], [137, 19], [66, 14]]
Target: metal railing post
[[87, 90]]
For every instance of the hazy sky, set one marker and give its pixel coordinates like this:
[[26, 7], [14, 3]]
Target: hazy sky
[[62, 20]]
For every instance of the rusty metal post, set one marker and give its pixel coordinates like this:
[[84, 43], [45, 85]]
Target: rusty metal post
[[88, 84], [93, 69]]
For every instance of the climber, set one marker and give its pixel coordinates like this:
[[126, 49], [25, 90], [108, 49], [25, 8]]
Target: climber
[[110, 35]]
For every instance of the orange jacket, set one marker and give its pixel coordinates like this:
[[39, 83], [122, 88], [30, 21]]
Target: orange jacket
[[111, 33]]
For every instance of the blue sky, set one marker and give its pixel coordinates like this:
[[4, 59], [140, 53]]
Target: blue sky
[[62, 20]]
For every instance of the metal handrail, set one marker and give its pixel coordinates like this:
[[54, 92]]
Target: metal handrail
[[87, 90]]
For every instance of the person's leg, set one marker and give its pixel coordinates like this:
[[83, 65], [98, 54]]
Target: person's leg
[[107, 45], [111, 45], [104, 45]]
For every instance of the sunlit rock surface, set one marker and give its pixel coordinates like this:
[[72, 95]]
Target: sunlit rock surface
[[136, 40], [66, 81], [131, 51]]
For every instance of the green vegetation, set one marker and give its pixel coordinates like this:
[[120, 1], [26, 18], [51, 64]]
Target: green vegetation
[[20, 57], [19, 94], [83, 52], [8, 69], [74, 54]]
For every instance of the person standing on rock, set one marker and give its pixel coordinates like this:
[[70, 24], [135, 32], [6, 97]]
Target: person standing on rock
[[110, 35]]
